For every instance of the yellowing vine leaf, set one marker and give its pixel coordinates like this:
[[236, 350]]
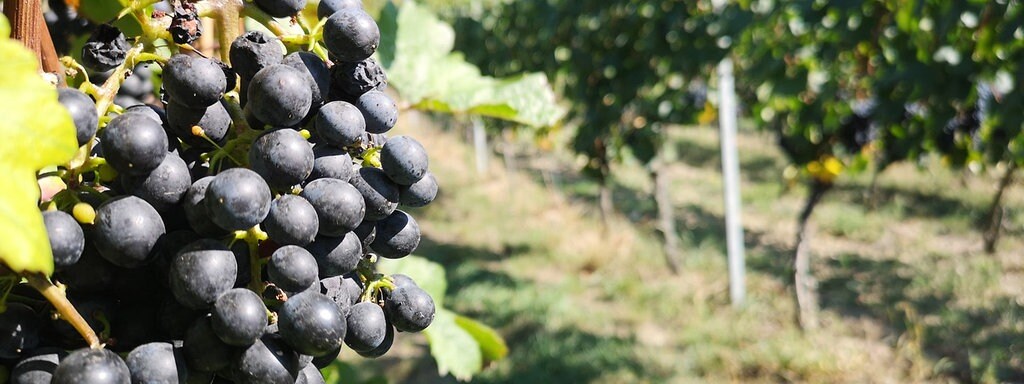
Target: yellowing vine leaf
[[35, 132]]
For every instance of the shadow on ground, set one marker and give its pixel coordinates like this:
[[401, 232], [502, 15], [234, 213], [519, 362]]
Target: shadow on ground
[[543, 353], [970, 343]]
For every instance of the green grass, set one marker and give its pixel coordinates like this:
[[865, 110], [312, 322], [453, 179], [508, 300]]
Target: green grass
[[907, 293]]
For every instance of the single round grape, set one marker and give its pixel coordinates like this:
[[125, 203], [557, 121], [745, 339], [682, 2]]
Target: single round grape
[[37, 368], [380, 194], [365, 326], [330, 162], [292, 268], [351, 35], [214, 121], [253, 51], [316, 73], [326, 8], [126, 230], [67, 240], [83, 113], [340, 124], [157, 363], [239, 317], [404, 160], [379, 111], [336, 255], [279, 95], [164, 187], [282, 157], [281, 8], [93, 366], [384, 347], [20, 326], [398, 235], [201, 272], [204, 351], [311, 323], [339, 206], [238, 199], [194, 82], [292, 221], [196, 212], [420, 193], [410, 309], [133, 144]]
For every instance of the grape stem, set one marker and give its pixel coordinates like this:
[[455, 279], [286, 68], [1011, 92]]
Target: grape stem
[[252, 238], [64, 308], [227, 27]]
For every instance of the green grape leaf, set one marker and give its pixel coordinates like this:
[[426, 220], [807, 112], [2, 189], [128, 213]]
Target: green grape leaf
[[427, 274], [455, 350], [417, 49], [492, 345], [37, 132]]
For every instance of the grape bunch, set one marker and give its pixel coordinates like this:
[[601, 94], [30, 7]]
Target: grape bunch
[[231, 233]]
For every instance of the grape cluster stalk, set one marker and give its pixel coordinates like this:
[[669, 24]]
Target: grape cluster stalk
[[230, 230]]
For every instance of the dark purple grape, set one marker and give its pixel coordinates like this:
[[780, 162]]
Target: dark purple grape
[[281, 8], [340, 124], [21, 330], [292, 221], [351, 35], [83, 113], [254, 51], [326, 8], [397, 236], [126, 230], [404, 160], [238, 199], [93, 366], [379, 111], [239, 317], [157, 363], [201, 272], [194, 82], [336, 255], [133, 144], [410, 309], [420, 193], [339, 206], [282, 157], [365, 327], [311, 323], [279, 95], [67, 240]]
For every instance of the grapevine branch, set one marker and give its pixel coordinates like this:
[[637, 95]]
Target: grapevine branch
[[60, 302], [28, 26]]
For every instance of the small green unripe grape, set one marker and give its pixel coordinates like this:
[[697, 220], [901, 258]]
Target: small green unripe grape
[[84, 213], [305, 134]]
